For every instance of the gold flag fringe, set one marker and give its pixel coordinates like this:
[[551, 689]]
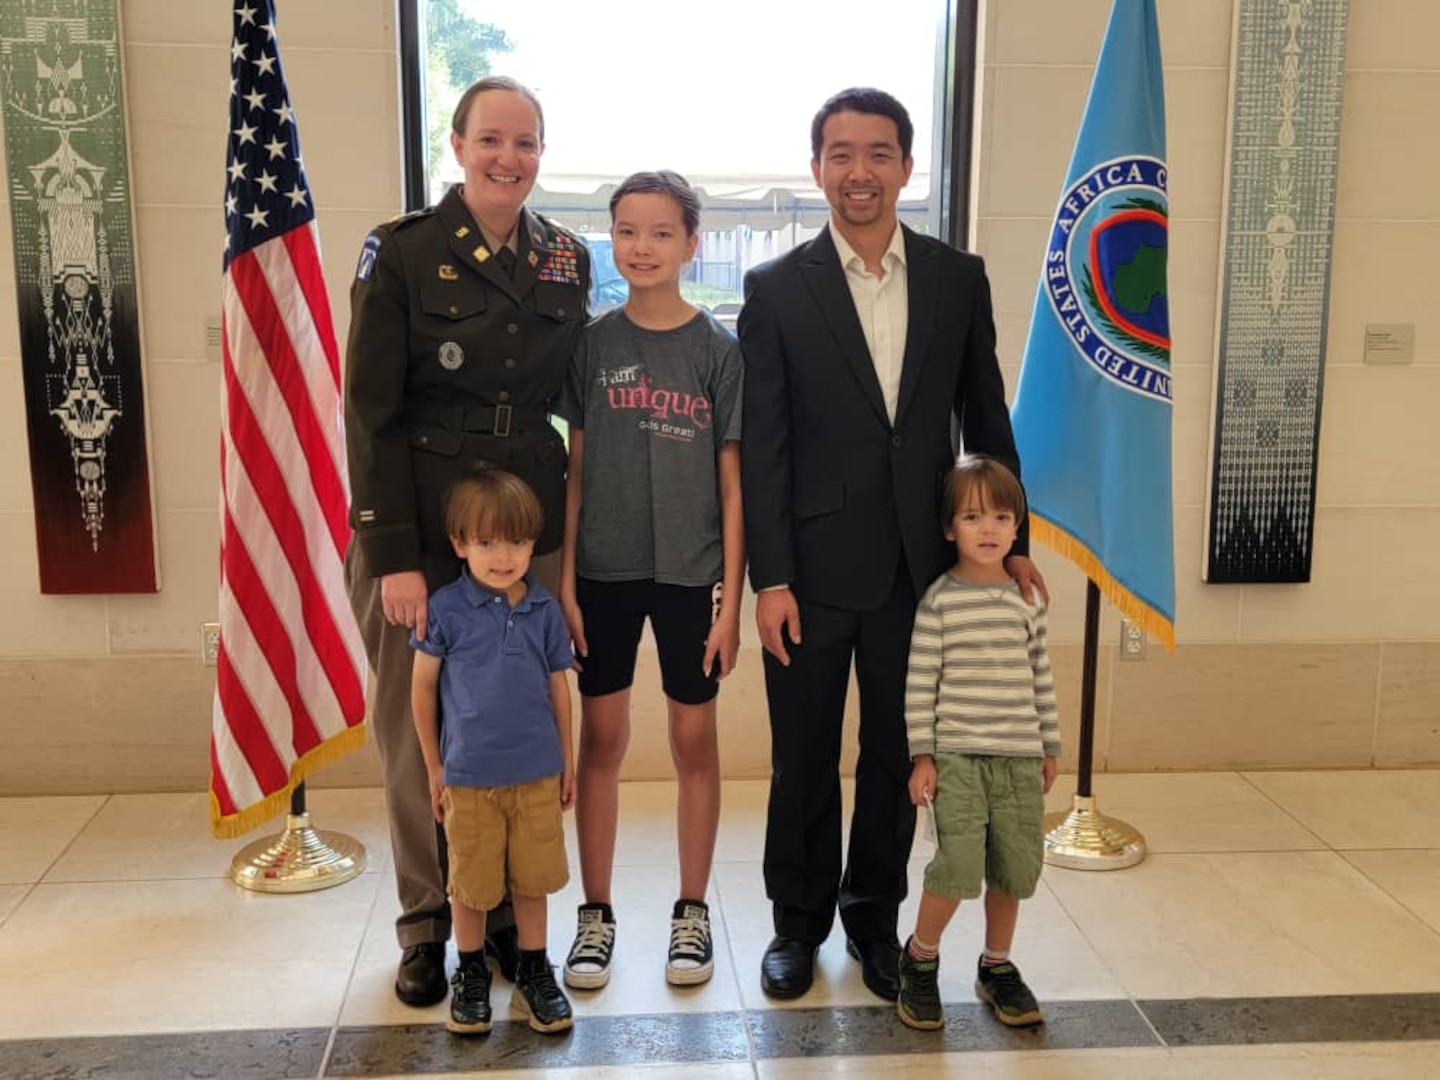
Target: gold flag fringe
[[333, 748], [1127, 603]]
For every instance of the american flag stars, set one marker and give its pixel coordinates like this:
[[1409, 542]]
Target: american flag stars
[[266, 193]]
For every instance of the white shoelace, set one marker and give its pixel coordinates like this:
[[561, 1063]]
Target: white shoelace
[[593, 943], [689, 939]]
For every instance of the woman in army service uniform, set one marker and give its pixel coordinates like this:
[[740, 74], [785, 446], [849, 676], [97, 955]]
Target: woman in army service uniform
[[464, 317]]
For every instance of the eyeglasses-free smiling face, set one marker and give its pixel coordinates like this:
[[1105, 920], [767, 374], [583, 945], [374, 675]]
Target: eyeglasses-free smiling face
[[500, 153], [651, 243], [861, 169]]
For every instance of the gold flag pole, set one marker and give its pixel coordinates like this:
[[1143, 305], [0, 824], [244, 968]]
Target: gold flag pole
[[300, 859], [1083, 838]]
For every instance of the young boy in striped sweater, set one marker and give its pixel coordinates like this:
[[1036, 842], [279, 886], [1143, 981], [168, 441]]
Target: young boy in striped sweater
[[984, 739]]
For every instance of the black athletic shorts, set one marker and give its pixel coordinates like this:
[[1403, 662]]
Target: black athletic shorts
[[680, 618]]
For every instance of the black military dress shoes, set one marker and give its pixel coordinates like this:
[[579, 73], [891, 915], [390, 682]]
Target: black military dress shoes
[[421, 978], [788, 967], [879, 966]]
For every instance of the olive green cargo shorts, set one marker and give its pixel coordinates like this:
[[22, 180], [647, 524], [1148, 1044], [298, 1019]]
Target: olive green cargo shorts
[[989, 818]]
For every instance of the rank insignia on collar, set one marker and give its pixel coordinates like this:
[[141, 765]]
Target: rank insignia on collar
[[481, 253], [462, 232], [533, 258], [448, 273]]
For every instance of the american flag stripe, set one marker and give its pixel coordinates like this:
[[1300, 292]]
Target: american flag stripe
[[283, 382], [252, 745], [267, 452], [290, 682], [315, 350], [261, 654], [222, 803], [263, 557]]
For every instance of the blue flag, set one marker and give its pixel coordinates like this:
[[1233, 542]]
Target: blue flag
[[1092, 410]]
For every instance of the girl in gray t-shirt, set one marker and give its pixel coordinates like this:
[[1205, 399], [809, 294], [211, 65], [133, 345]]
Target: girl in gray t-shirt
[[653, 530]]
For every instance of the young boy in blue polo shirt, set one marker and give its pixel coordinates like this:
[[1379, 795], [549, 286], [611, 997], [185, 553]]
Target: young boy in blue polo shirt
[[492, 661]]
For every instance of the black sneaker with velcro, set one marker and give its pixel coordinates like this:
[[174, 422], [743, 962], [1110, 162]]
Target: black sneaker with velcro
[[470, 1000], [919, 1003], [1001, 987]]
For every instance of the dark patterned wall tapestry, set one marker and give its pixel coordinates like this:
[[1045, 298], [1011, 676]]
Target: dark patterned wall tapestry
[[1288, 69], [69, 189]]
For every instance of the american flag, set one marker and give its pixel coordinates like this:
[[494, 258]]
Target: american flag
[[290, 676]]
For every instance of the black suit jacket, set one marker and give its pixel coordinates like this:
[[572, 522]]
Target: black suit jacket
[[834, 492]]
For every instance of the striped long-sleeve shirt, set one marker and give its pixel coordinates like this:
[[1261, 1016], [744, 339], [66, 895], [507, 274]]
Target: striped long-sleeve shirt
[[979, 679]]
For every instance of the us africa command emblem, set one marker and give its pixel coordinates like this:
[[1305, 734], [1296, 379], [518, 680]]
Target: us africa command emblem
[[1105, 272]]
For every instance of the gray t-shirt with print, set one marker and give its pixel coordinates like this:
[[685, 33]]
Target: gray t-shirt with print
[[656, 407]]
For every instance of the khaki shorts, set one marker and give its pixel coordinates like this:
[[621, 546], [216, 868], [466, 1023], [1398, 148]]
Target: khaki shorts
[[989, 814], [505, 838]]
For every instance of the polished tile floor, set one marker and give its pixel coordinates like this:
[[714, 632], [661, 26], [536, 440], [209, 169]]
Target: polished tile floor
[[1284, 925]]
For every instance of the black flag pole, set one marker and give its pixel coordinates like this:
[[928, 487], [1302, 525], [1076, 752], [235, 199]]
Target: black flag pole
[[1082, 838]]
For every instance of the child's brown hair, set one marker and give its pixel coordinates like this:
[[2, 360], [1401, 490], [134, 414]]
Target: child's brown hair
[[492, 504], [998, 487]]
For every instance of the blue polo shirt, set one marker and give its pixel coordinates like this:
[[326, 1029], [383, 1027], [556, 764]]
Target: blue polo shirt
[[497, 726]]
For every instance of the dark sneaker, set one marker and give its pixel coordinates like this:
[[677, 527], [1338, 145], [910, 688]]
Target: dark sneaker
[[919, 1001], [1001, 987], [692, 956], [470, 1000], [539, 999], [588, 965]]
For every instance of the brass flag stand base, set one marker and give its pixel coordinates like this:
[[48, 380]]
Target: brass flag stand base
[[300, 859], [1085, 839]]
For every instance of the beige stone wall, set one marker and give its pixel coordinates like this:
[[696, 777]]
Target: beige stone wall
[[107, 694]]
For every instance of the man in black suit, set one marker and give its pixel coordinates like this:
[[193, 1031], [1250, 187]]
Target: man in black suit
[[861, 346]]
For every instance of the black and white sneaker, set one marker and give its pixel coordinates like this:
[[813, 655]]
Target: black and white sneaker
[[692, 956], [588, 965]]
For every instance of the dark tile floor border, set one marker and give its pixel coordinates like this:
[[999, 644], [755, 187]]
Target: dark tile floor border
[[678, 1038], [242, 1055], [1260, 1021]]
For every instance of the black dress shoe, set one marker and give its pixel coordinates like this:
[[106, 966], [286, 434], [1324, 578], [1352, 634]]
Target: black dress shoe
[[504, 946], [421, 978], [879, 966], [788, 967]]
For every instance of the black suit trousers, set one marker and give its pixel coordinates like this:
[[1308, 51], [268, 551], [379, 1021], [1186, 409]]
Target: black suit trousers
[[804, 875]]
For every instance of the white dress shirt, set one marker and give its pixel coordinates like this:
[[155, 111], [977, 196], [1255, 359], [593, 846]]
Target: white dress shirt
[[883, 306]]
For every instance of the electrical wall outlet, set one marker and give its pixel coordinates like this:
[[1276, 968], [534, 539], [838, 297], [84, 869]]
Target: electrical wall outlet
[[1132, 641], [210, 643]]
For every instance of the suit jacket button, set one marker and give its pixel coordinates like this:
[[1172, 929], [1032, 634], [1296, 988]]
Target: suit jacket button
[[560, 311], [513, 328], [509, 362], [895, 441], [504, 395]]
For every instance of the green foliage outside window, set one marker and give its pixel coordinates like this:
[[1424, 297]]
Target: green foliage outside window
[[458, 48]]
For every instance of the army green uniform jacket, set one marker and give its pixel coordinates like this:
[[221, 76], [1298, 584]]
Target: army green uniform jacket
[[451, 362]]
